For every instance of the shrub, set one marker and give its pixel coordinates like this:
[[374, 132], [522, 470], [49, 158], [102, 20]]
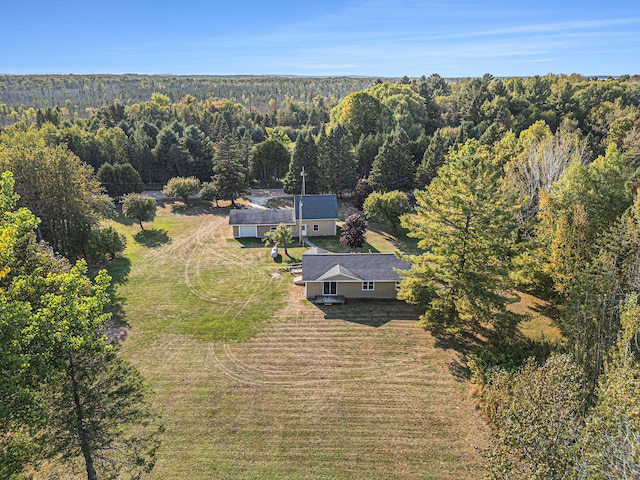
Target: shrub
[[105, 244]]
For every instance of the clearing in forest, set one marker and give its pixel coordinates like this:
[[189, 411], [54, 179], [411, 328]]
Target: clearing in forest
[[255, 382]]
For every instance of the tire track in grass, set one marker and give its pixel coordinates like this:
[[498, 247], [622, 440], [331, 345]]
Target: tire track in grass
[[235, 362], [195, 252]]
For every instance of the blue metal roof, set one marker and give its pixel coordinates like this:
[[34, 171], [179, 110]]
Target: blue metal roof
[[317, 207]]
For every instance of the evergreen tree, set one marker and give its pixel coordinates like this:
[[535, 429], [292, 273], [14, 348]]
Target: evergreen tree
[[220, 128], [270, 159], [200, 150], [118, 180], [98, 412], [366, 151], [465, 225], [393, 167], [305, 154], [336, 162], [434, 156], [170, 157], [363, 190], [246, 145], [229, 175]]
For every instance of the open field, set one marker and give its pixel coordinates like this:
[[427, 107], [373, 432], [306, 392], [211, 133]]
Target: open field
[[255, 382]]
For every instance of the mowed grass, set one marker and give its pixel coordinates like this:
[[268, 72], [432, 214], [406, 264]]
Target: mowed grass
[[254, 382], [193, 281], [539, 318]]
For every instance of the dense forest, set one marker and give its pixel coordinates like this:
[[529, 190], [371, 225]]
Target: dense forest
[[533, 182], [81, 94]]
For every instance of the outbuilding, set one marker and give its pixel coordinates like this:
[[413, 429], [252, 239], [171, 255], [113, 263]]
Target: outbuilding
[[312, 216]]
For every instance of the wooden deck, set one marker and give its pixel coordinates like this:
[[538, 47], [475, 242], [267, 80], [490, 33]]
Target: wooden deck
[[295, 268], [328, 299]]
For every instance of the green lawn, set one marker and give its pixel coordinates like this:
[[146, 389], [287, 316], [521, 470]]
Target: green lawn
[[255, 382], [187, 278]]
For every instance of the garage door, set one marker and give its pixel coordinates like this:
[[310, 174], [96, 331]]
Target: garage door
[[248, 231]]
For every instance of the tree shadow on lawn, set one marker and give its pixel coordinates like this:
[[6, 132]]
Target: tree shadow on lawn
[[117, 325], [462, 343], [369, 312], [249, 242], [473, 337], [195, 207], [333, 245], [152, 238], [121, 219]]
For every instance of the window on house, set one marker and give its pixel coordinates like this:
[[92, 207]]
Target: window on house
[[368, 285], [329, 288], [316, 227], [397, 286], [273, 229]]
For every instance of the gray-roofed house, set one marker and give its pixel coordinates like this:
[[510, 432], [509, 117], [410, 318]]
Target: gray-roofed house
[[255, 223], [351, 275], [319, 217]]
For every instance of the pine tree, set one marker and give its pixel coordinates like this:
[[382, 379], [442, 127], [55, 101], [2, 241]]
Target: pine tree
[[336, 162], [393, 167], [366, 151], [434, 156], [63, 388], [466, 227], [229, 175], [200, 150], [305, 154]]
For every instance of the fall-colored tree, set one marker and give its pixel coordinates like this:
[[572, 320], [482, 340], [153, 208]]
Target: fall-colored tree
[[354, 231]]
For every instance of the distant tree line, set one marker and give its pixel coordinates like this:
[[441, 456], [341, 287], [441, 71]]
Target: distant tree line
[[78, 96]]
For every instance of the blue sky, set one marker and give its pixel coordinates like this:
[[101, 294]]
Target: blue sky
[[350, 37]]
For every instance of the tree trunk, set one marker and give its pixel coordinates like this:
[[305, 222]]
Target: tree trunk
[[286, 252], [140, 222], [84, 441]]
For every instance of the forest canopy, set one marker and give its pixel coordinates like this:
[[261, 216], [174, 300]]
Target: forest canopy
[[516, 184]]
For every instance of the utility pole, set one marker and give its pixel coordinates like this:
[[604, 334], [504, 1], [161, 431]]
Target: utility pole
[[300, 221], [302, 174]]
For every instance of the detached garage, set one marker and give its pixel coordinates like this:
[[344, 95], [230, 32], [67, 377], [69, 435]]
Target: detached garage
[[255, 223]]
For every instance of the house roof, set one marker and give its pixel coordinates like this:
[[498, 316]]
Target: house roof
[[338, 271], [317, 207], [315, 251], [262, 217], [370, 267]]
